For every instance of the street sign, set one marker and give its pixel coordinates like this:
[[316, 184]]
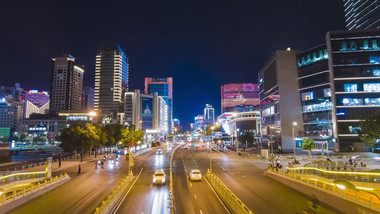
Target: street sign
[[132, 144], [217, 134]]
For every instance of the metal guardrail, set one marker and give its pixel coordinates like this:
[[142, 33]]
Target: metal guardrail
[[171, 190], [361, 198], [228, 197], [7, 179], [112, 199], [361, 176], [8, 197]]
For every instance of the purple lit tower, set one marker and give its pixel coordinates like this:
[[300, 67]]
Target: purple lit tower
[[36, 102]]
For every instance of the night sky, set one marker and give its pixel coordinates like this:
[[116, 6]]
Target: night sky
[[201, 44]]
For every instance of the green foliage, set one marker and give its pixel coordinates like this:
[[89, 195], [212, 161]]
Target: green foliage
[[82, 136], [40, 139], [129, 134], [308, 144], [247, 137], [210, 129], [370, 129]]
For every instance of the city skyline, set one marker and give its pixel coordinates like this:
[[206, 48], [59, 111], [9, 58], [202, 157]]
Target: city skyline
[[170, 49]]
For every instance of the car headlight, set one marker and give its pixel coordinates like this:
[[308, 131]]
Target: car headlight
[[154, 180], [163, 180]]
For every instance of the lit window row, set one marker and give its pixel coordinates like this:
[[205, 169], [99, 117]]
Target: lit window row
[[367, 87], [314, 57], [360, 101]]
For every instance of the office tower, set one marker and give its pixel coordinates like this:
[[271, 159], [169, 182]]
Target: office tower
[[164, 88], [88, 98], [66, 84], [11, 112], [36, 103], [111, 81], [209, 114], [279, 100], [239, 97], [362, 14], [355, 65]]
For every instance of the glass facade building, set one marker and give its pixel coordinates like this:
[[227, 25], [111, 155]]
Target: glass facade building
[[163, 86], [355, 65], [111, 81], [314, 79], [362, 14]]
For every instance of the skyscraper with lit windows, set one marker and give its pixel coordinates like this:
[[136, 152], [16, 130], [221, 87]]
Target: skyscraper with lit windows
[[111, 81], [362, 14]]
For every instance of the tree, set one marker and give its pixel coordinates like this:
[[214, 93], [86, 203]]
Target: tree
[[248, 137], [369, 131], [129, 134], [210, 129], [308, 144], [111, 134]]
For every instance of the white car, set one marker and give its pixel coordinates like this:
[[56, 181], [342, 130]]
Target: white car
[[159, 177], [195, 175], [159, 152]]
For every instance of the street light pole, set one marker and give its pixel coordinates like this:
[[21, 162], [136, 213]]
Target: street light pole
[[294, 140], [212, 128]]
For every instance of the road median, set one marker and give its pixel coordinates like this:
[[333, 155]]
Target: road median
[[234, 204]]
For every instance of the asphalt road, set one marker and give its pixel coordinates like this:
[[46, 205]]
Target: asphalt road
[[260, 193], [192, 196], [145, 197], [83, 193]]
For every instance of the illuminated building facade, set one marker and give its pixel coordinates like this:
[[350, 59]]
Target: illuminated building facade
[[36, 102], [111, 82], [209, 114], [163, 86], [88, 98], [280, 105], [66, 84], [362, 14], [355, 65], [239, 97]]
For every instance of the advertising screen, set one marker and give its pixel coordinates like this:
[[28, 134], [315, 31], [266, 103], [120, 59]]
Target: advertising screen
[[147, 112], [240, 94]]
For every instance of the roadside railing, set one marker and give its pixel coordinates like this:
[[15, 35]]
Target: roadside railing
[[171, 189], [7, 179], [27, 189], [112, 199], [359, 176], [228, 197], [364, 198]]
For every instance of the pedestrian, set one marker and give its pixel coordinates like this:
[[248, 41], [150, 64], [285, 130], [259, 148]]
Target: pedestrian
[[350, 161], [79, 168], [59, 160], [96, 164], [361, 163]]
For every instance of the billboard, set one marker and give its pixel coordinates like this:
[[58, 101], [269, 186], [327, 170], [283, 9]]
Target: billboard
[[147, 112], [240, 94]]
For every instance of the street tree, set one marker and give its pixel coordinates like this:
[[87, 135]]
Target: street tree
[[210, 129], [369, 131], [129, 134], [308, 145]]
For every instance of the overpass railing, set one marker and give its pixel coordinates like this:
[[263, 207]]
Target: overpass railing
[[233, 202]]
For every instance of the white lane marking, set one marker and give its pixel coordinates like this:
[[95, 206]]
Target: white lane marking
[[224, 169], [146, 197], [195, 196], [122, 200], [220, 200], [200, 211], [151, 185], [191, 184]]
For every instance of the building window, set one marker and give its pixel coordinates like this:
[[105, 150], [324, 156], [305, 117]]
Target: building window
[[351, 102], [374, 59], [350, 87], [371, 87], [376, 73], [372, 101], [307, 96], [327, 92]]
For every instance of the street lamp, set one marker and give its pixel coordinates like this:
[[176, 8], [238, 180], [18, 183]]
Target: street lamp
[[294, 140], [212, 128]]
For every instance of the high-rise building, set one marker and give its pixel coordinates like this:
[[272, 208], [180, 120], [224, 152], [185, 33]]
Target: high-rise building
[[111, 81], [11, 112], [279, 100], [362, 14], [239, 97], [163, 86], [339, 86], [15, 91], [88, 98], [66, 84], [36, 103], [209, 114]]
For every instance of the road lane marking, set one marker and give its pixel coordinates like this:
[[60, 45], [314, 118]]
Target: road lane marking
[[220, 200], [191, 184], [200, 211], [195, 196], [146, 197], [151, 185], [118, 206]]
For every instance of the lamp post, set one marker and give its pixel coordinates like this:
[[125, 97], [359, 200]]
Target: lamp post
[[212, 128], [294, 140]]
